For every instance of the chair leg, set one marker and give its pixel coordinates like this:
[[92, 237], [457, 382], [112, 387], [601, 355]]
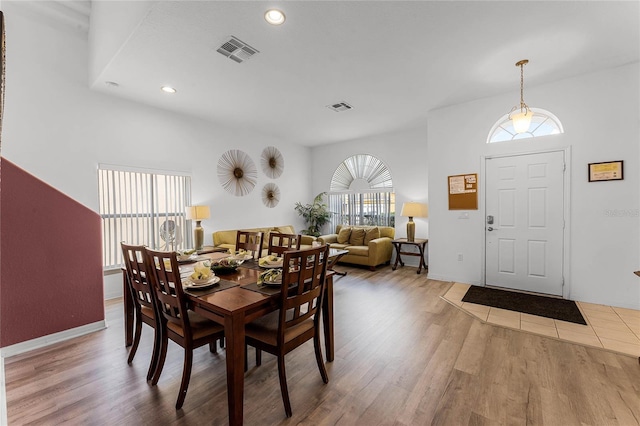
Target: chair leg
[[319, 359], [156, 349], [186, 375], [136, 340], [258, 357], [162, 354], [246, 357], [222, 343], [283, 385], [213, 346]]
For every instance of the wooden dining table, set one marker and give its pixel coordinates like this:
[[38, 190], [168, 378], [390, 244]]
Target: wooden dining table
[[235, 302]]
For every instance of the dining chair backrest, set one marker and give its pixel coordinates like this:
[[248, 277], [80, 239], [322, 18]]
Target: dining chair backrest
[[164, 276], [249, 241], [139, 286], [279, 243], [302, 290]]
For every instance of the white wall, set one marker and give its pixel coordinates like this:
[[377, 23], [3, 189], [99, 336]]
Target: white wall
[[59, 130], [601, 118]]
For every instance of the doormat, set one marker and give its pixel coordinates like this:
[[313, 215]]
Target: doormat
[[560, 309]]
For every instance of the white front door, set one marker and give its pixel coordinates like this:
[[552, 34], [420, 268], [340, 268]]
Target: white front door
[[524, 222]]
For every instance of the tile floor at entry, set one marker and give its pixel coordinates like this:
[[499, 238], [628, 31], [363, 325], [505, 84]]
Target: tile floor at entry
[[611, 328]]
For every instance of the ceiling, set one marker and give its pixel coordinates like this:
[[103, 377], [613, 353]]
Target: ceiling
[[393, 61]]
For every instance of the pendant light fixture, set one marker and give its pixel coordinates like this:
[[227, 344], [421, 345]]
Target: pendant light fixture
[[521, 115]]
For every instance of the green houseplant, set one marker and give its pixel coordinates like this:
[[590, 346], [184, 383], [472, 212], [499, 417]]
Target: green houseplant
[[315, 215]]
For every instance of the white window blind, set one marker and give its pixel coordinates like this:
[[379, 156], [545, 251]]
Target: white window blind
[[142, 207], [362, 208]]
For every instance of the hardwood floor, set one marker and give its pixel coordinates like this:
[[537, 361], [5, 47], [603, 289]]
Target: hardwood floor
[[404, 356]]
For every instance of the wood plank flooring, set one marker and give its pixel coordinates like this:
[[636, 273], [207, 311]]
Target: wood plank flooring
[[404, 356]]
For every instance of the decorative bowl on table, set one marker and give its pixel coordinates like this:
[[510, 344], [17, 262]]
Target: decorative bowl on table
[[225, 265]]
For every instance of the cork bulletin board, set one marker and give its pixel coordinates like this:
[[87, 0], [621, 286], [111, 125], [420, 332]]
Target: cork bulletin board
[[463, 192]]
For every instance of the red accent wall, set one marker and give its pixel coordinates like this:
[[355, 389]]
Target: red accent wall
[[50, 259]]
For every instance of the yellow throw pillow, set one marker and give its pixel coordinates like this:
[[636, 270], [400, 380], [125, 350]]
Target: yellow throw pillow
[[343, 235], [265, 238], [284, 229], [357, 237], [371, 234]]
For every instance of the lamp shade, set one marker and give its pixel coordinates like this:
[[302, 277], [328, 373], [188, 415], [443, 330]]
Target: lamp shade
[[522, 121], [414, 210], [198, 212]]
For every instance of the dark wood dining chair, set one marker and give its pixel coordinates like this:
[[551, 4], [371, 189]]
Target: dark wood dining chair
[[144, 304], [298, 318], [181, 325], [250, 241], [279, 243]]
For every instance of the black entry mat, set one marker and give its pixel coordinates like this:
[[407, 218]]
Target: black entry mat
[[560, 309]]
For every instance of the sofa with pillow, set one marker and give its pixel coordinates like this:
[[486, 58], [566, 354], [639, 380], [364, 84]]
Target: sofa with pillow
[[367, 245], [227, 239]]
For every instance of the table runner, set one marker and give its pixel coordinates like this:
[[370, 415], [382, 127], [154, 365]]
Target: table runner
[[251, 264], [268, 290], [221, 285]]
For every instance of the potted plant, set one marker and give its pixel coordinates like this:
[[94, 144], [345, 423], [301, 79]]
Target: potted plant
[[315, 215]]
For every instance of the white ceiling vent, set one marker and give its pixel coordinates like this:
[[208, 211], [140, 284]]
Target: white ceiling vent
[[237, 50], [340, 106]]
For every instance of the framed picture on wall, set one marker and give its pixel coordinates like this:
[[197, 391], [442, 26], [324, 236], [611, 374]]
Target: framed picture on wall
[[608, 170]]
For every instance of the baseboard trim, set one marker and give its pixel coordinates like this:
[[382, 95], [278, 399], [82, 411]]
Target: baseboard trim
[[3, 396], [41, 342]]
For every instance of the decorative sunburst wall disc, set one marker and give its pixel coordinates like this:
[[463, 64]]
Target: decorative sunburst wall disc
[[272, 162], [270, 195], [237, 172]]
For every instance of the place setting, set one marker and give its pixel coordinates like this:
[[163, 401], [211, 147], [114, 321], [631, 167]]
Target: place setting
[[204, 278]]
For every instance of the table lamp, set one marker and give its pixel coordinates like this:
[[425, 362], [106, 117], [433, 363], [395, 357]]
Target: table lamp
[[198, 213], [413, 210]]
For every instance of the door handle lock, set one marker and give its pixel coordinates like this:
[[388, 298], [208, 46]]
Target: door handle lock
[[490, 229]]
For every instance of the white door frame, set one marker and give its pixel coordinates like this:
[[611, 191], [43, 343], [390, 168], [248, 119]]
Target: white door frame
[[566, 250]]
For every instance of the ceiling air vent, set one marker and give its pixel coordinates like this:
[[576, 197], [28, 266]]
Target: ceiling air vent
[[237, 50], [340, 106]]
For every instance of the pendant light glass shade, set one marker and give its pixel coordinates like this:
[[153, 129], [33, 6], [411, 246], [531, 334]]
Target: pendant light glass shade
[[522, 121]]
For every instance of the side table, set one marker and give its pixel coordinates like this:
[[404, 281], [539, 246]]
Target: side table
[[420, 243]]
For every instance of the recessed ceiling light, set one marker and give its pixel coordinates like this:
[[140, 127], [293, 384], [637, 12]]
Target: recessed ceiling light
[[274, 17], [111, 84], [168, 89]]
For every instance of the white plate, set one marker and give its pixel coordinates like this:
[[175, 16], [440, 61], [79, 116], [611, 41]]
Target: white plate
[[277, 283], [188, 283], [189, 258], [272, 266], [242, 257]]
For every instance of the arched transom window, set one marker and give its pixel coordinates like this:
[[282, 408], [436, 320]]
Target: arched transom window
[[361, 193], [542, 123], [361, 171]]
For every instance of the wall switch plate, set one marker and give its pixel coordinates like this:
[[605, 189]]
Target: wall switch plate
[[463, 215]]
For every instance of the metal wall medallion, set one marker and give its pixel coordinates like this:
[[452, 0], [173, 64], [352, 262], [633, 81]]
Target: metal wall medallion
[[237, 172], [272, 162], [270, 195]]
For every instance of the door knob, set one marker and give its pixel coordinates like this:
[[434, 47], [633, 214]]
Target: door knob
[[490, 229]]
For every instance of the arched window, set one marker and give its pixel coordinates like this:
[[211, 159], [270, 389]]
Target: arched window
[[361, 193], [542, 123]]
